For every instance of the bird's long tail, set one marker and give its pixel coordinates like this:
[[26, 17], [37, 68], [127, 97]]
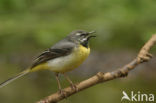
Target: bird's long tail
[[14, 78]]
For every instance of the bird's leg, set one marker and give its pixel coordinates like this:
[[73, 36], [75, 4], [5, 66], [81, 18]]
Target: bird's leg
[[71, 83], [59, 85]]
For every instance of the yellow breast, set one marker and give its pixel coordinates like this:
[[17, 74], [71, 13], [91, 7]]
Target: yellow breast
[[71, 61], [82, 53]]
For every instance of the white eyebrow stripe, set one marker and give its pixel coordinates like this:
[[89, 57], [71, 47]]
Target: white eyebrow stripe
[[84, 39]]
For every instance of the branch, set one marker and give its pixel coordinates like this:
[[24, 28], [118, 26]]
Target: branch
[[143, 56]]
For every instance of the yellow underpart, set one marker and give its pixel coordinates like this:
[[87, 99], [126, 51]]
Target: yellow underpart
[[42, 66], [65, 63], [79, 56], [70, 62]]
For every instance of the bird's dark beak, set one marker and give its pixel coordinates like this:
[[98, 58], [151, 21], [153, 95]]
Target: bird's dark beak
[[90, 36]]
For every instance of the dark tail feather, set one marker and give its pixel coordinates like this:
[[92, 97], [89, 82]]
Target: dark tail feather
[[14, 78]]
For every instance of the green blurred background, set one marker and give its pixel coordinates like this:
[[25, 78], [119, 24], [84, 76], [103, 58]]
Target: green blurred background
[[27, 27]]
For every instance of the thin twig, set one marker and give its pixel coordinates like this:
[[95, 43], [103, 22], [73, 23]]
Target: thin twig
[[143, 56]]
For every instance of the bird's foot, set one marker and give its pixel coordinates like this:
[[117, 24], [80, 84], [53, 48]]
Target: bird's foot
[[62, 92], [74, 87]]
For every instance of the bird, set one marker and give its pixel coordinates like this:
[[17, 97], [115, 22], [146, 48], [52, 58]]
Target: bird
[[64, 56]]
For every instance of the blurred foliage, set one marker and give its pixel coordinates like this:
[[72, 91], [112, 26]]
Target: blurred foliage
[[37, 23], [29, 26]]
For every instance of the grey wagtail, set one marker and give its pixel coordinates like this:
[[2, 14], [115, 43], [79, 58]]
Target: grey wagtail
[[62, 57]]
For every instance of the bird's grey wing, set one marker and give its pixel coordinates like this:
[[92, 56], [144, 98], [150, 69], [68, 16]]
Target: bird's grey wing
[[58, 50]]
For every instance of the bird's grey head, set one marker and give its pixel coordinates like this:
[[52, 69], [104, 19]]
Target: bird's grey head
[[81, 36]]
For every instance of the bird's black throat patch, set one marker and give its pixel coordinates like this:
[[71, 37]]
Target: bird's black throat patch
[[85, 43]]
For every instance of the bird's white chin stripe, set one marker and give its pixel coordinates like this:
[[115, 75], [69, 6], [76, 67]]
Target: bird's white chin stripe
[[84, 39], [78, 34]]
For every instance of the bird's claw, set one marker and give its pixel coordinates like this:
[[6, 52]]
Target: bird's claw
[[62, 92], [74, 87]]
